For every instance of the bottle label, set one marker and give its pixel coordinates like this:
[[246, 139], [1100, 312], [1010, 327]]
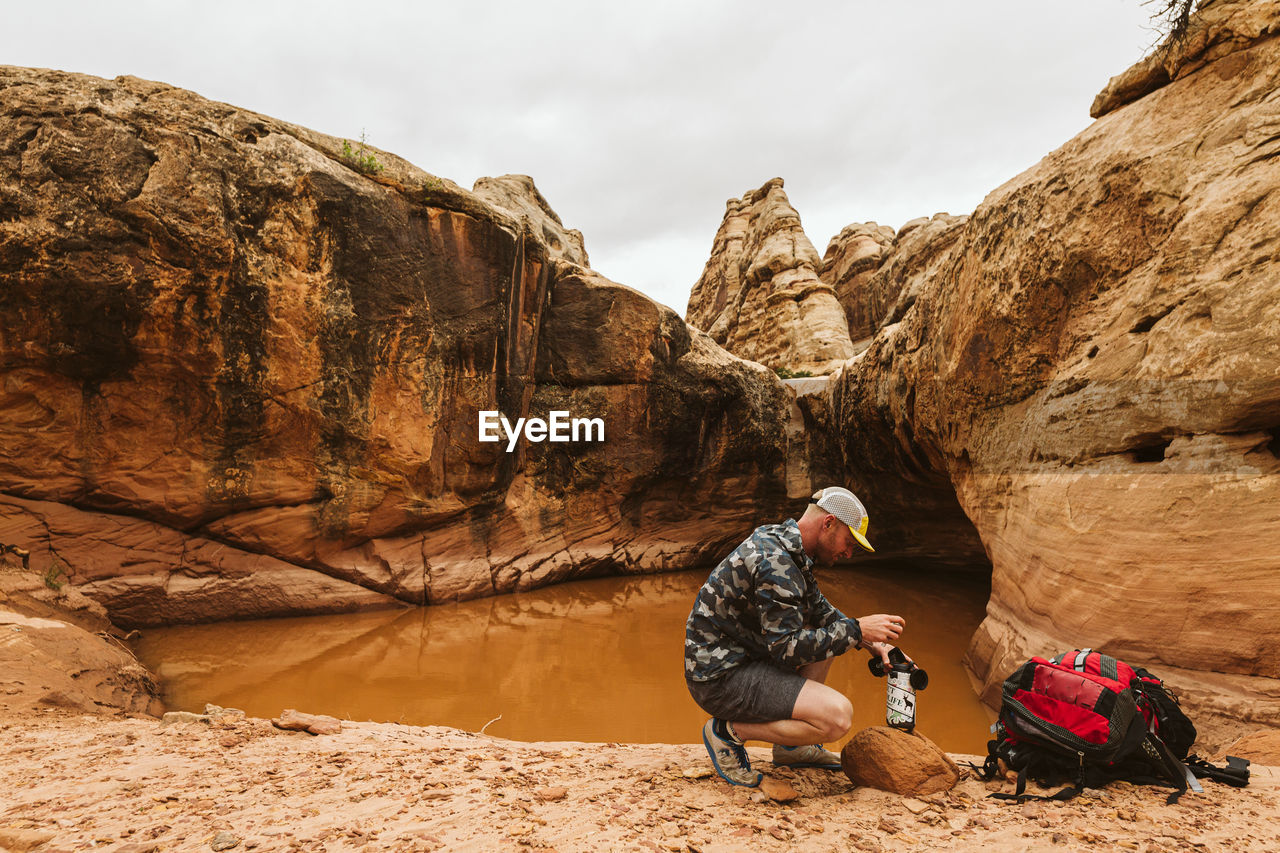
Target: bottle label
[[900, 703]]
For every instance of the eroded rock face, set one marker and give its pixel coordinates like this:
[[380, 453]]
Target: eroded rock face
[[760, 296], [877, 274], [1218, 29], [242, 378], [1090, 361], [852, 258]]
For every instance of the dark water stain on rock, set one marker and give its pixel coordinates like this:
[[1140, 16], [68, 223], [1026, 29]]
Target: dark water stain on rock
[[92, 326], [242, 320]]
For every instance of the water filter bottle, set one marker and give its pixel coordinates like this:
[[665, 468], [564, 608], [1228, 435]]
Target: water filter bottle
[[905, 678]]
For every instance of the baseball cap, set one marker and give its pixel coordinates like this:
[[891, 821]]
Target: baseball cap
[[843, 505]]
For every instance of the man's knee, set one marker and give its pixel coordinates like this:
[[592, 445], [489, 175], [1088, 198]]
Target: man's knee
[[839, 718], [826, 710]]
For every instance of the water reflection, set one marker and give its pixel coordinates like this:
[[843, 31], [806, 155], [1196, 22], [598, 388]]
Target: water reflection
[[597, 660]]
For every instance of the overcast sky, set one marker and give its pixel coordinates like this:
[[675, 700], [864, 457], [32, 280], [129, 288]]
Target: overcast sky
[[638, 120]]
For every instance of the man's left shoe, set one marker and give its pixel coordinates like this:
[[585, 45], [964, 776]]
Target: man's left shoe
[[810, 755]]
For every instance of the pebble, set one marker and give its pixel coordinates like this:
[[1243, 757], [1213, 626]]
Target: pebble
[[224, 841], [778, 790], [550, 795]]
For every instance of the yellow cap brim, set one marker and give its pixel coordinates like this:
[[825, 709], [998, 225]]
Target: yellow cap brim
[[862, 540]]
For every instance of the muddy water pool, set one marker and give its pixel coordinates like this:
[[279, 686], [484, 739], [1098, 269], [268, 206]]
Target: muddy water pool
[[597, 660]]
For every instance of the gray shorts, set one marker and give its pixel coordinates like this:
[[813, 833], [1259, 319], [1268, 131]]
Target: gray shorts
[[754, 692]]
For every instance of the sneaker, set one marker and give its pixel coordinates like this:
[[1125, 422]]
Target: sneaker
[[729, 758], [811, 755]]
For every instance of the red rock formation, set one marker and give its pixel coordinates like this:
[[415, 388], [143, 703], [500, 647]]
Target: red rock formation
[[1090, 362], [760, 296], [242, 373]]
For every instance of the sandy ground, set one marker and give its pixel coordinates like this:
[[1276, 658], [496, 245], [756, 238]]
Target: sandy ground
[[78, 782]]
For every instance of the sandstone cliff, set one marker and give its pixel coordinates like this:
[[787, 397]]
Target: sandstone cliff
[[1090, 363], [242, 373], [760, 296], [1218, 29]]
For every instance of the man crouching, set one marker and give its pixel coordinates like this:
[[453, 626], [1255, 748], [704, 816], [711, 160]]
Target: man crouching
[[761, 637]]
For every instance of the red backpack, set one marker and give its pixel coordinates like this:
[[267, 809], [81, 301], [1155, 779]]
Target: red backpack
[[1090, 719]]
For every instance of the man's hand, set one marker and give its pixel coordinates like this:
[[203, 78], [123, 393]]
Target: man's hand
[[881, 650], [881, 628]]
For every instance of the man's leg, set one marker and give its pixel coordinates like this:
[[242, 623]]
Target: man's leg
[[820, 714]]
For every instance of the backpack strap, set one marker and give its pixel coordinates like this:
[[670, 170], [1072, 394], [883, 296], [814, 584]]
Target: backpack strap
[[1074, 659], [1108, 667], [987, 771], [1236, 773], [1177, 772]]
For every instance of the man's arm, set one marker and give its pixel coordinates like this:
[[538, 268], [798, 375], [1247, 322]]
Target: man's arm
[[782, 618], [824, 612]]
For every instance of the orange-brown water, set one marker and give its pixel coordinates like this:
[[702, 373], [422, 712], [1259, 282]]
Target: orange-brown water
[[598, 660]]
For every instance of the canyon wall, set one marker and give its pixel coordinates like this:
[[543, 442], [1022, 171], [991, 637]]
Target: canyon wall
[[1080, 381], [1091, 362], [241, 373]]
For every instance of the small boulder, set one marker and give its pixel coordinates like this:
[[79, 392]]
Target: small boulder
[[219, 713], [901, 762], [316, 724]]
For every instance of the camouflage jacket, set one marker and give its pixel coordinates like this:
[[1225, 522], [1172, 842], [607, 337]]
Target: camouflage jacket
[[762, 603]]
